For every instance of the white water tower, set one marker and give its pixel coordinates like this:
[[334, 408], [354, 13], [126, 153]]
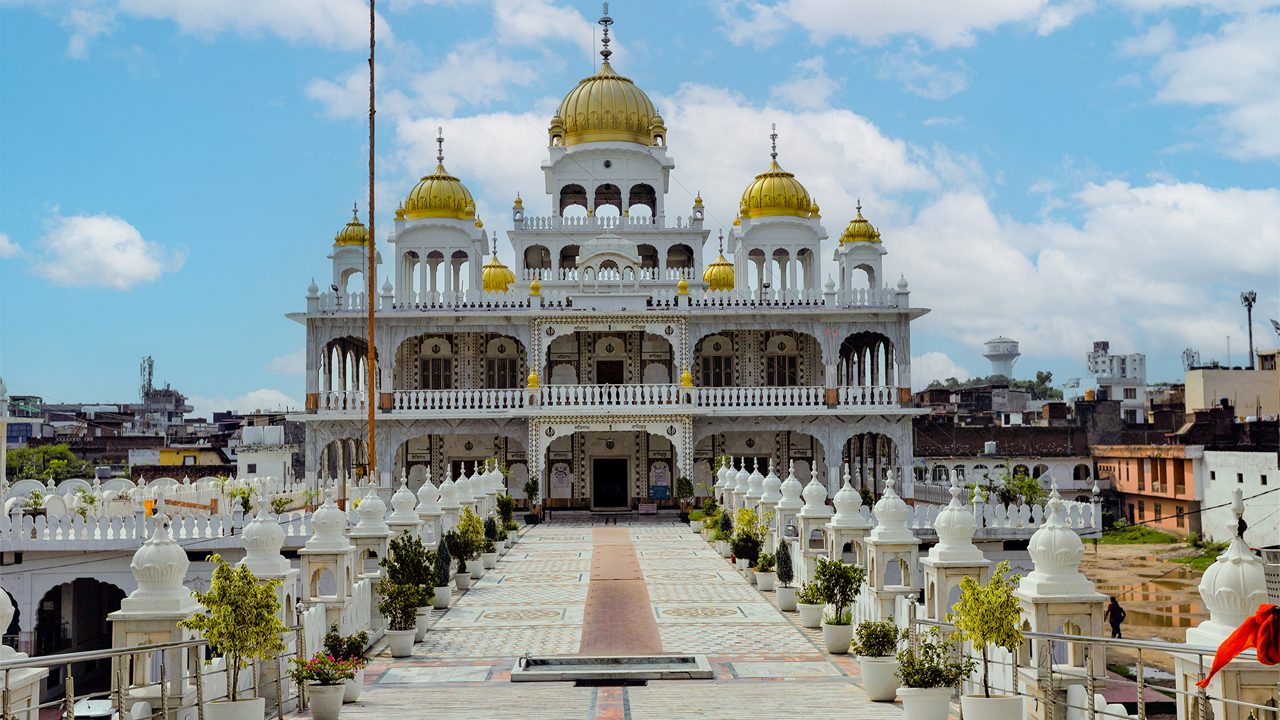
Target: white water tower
[[1002, 352]]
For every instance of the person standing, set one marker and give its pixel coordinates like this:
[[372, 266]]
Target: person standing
[[1115, 615]]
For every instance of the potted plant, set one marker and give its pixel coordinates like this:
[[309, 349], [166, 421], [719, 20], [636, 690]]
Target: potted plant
[[839, 585], [349, 649], [471, 528], [241, 623], [280, 504], [456, 545], [684, 494], [409, 563], [506, 510], [489, 554], [786, 575], [764, 572], [442, 591], [531, 495], [929, 672], [875, 642], [987, 616], [696, 516], [809, 602], [324, 675], [724, 533], [399, 605]]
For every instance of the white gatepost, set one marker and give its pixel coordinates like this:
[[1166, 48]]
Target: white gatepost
[[813, 516], [755, 488], [449, 503], [722, 483], [404, 514], [742, 483], [954, 557], [847, 525], [770, 496], [328, 549], [263, 538], [788, 506], [890, 542], [429, 512]]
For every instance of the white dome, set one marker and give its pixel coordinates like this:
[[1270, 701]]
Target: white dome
[[370, 513], [1232, 588], [742, 479], [848, 503], [428, 498], [159, 566], [448, 493], [771, 493], [755, 483], [328, 525], [815, 499], [791, 490], [891, 516], [955, 527], [462, 486], [263, 537], [1056, 551], [404, 506], [722, 474]]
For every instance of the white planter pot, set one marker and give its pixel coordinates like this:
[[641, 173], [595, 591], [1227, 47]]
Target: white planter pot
[[926, 703], [401, 642], [476, 567], [742, 564], [787, 599], [325, 700], [837, 638], [810, 615], [420, 623], [764, 581], [880, 677], [251, 709], [442, 596], [351, 688], [490, 560], [999, 707], [696, 525], [722, 547], [462, 580]]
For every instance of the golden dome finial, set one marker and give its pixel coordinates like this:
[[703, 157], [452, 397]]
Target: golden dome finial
[[605, 21], [775, 191], [535, 287], [859, 229], [686, 378], [519, 202], [697, 200], [495, 276], [719, 275], [682, 287], [439, 145], [354, 232], [773, 141]]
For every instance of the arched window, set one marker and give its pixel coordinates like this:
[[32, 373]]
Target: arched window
[[608, 194], [716, 361], [642, 195], [571, 195], [436, 354], [680, 256], [537, 257], [501, 363], [782, 362], [648, 255], [569, 256]]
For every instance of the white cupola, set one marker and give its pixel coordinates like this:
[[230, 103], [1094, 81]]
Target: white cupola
[[1056, 551], [891, 516], [159, 566], [263, 537]]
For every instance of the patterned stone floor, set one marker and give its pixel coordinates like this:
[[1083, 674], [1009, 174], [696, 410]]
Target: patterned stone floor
[[766, 665]]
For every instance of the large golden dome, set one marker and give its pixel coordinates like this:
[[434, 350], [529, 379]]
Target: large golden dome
[[354, 232], [719, 274], [860, 230], [775, 192], [440, 195], [607, 107]]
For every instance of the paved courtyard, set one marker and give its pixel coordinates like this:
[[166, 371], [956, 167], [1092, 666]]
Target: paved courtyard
[[536, 600]]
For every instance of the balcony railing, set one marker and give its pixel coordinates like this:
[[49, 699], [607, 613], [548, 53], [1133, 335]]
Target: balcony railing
[[609, 395], [343, 400], [475, 399], [867, 395], [797, 396]]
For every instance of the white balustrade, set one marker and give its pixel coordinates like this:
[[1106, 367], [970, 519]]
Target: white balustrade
[[867, 395], [592, 395], [474, 399], [342, 400], [796, 396]]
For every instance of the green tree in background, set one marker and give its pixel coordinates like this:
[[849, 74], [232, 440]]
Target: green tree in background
[[1040, 388], [46, 462]]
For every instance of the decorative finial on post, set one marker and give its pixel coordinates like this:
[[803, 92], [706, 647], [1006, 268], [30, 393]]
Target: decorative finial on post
[[773, 139], [355, 211], [605, 21], [440, 145], [722, 240]]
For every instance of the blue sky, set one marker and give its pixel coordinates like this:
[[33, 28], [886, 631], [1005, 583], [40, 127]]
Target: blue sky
[[172, 173]]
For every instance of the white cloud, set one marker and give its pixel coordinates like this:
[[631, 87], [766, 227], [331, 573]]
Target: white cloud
[[340, 24], [935, 365], [943, 24], [294, 363], [346, 98], [808, 88], [920, 78], [1158, 39], [1236, 69], [8, 248], [535, 22], [101, 251], [470, 75], [943, 121], [263, 399], [83, 24]]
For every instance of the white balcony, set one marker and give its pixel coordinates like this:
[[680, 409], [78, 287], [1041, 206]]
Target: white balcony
[[760, 397], [608, 395], [476, 399], [342, 401], [868, 396]]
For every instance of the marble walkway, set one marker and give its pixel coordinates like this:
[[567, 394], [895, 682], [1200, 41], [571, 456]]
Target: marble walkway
[[537, 601]]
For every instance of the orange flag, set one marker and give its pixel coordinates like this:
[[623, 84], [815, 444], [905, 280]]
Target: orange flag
[[1261, 630]]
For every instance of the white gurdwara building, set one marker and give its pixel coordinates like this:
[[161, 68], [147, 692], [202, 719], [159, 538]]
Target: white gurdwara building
[[612, 361]]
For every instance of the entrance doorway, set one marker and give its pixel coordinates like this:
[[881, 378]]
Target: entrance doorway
[[609, 483], [610, 372]]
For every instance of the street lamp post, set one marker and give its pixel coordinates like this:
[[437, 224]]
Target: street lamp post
[[1247, 299]]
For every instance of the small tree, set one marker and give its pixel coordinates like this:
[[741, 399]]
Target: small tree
[[399, 605], [506, 509], [242, 619], [347, 647], [765, 563], [531, 492], [987, 615], [471, 528], [490, 529], [443, 558], [684, 492], [839, 584], [456, 547], [930, 663], [876, 638], [410, 564], [785, 572]]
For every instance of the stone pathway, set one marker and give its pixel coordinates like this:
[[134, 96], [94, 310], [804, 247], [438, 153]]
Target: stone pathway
[[542, 599]]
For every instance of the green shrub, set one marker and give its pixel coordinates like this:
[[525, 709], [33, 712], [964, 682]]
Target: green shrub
[[765, 563], [443, 559], [876, 638], [785, 572], [490, 529], [988, 614], [506, 509], [838, 584], [810, 595], [931, 664], [410, 564], [471, 528], [346, 647], [399, 605], [696, 515]]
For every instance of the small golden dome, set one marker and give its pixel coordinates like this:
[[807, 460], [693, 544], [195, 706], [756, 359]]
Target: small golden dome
[[400, 212], [354, 232], [697, 201], [535, 288], [606, 107], [440, 195], [859, 230], [686, 378], [534, 381], [775, 192], [496, 277], [719, 274], [519, 202], [479, 223], [814, 210], [737, 222], [682, 287]]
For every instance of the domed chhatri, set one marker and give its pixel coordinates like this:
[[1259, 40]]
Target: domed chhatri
[[354, 232], [606, 107], [719, 275], [440, 195], [1056, 550], [263, 537], [891, 515], [775, 192], [815, 498], [955, 527], [848, 503], [328, 524], [496, 276], [859, 230], [159, 566], [1232, 588]]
